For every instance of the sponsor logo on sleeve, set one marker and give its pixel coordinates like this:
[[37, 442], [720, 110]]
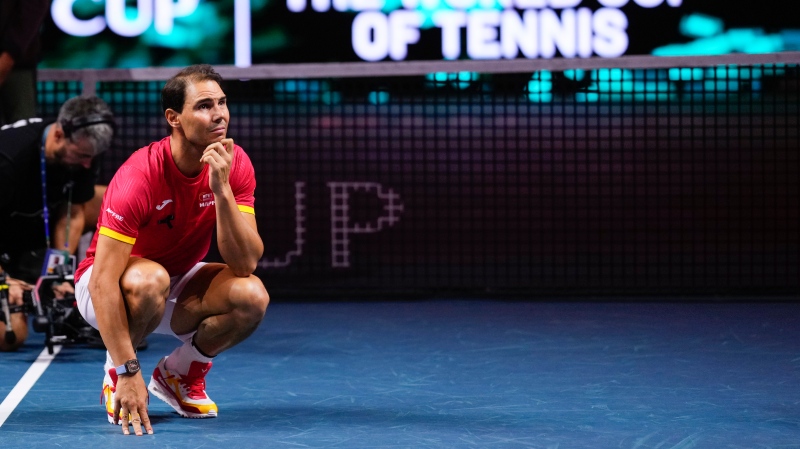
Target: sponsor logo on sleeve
[[116, 216]]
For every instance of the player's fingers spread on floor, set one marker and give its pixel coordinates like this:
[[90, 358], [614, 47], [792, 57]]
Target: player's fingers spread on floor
[[146, 422], [137, 424], [125, 429]]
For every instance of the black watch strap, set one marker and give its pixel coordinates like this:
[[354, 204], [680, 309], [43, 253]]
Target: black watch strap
[[128, 368]]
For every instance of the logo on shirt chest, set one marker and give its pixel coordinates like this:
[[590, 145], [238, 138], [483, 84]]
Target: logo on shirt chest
[[163, 204], [206, 199], [167, 220]]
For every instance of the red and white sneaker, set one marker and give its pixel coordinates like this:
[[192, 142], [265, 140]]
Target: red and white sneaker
[[186, 394], [109, 388]]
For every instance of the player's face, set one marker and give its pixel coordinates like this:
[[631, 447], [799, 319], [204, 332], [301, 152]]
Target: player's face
[[205, 114]]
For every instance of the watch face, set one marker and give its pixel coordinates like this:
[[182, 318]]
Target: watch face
[[132, 366]]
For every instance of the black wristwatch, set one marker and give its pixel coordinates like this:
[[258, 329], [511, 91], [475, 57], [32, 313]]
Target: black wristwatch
[[130, 367]]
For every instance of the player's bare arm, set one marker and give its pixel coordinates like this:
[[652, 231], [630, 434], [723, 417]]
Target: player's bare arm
[[111, 260], [237, 234]]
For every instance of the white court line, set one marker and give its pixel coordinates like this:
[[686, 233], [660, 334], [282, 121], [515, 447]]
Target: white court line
[[26, 383]]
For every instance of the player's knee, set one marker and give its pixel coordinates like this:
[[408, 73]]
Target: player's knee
[[250, 297], [145, 284]]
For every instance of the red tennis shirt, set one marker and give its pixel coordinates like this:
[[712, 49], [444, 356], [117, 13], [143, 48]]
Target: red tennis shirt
[[167, 217]]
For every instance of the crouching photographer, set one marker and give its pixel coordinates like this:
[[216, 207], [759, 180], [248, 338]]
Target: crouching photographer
[[48, 171]]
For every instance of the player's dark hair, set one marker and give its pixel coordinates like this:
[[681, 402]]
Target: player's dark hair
[[173, 95]]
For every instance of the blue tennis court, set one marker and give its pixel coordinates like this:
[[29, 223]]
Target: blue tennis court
[[458, 373]]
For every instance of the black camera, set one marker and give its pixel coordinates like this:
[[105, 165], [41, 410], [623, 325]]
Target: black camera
[[56, 316]]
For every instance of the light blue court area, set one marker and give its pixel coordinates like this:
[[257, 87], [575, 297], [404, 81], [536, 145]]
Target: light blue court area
[[453, 374]]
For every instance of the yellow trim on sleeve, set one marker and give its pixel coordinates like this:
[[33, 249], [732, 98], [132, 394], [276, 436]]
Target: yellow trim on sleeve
[[116, 235], [246, 209]]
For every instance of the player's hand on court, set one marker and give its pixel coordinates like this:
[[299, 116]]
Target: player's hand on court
[[130, 400], [219, 157]]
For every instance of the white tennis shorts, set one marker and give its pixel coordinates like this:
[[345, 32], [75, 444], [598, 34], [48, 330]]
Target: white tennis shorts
[[176, 285]]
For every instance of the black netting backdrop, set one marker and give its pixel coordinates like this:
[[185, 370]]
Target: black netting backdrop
[[603, 182]]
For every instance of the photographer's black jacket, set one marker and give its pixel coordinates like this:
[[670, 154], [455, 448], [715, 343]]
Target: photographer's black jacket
[[21, 219]]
